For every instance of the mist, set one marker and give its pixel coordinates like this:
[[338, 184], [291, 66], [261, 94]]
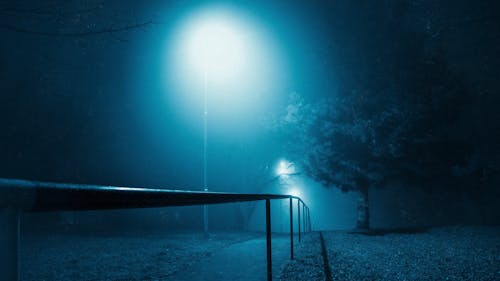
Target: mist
[[384, 115]]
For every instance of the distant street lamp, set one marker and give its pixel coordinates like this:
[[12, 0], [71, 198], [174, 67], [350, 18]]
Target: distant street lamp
[[284, 170], [294, 191]]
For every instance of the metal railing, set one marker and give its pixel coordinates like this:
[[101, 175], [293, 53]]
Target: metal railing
[[17, 196]]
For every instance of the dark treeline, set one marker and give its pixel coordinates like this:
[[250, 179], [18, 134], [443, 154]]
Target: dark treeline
[[415, 105]]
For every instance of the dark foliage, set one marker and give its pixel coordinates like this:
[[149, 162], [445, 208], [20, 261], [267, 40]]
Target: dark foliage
[[399, 114]]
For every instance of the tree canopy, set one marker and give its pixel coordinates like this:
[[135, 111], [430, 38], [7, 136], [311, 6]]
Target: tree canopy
[[396, 115]]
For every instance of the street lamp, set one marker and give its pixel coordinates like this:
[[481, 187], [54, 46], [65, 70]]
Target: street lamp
[[284, 170], [216, 45], [294, 191], [217, 49]]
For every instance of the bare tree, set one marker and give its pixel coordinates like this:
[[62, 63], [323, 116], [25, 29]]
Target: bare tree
[[79, 18]]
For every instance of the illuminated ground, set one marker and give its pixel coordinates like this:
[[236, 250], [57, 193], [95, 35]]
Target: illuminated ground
[[450, 253], [225, 256], [243, 261]]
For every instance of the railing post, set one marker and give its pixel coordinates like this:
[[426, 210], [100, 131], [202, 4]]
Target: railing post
[[10, 223], [309, 220], [291, 228], [268, 241], [298, 216], [303, 217]]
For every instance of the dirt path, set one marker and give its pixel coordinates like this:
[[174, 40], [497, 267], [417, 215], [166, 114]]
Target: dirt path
[[240, 261]]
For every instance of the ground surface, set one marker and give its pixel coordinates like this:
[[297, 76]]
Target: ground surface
[[225, 256], [243, 261], [450, 253]]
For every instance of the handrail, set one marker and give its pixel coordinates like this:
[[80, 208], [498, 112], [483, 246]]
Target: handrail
[[18, 196]]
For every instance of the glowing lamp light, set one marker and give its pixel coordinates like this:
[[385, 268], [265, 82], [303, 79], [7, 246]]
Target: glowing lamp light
[[218, 52], [285, 168], [216, 46], [294, 191], [225, 57]]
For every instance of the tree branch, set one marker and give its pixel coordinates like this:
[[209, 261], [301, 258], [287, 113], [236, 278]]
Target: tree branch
[[44, 12], [77, 33]]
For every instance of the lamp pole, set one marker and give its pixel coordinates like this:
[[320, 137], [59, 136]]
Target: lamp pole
[[205, 137], [215, 44]]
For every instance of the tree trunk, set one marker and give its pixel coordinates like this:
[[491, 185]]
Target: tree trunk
[[363, 221]]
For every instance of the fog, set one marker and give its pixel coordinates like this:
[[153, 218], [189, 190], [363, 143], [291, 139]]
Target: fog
[[387, 111]]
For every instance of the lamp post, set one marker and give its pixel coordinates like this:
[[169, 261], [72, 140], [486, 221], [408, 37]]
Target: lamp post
[[284, 170], [226, 55], [215, 47], [205, 139]]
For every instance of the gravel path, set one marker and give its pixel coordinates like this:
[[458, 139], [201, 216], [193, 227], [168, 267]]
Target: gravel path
[[245, 261], [450, 253], [307, 263], [118, 257]]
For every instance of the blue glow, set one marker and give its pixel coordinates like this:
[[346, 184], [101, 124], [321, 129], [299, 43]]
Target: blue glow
[[228, 53], [294, 191], [215, 44], [285, 168]]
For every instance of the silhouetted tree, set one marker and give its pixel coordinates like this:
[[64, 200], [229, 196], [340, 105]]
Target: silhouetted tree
[[393, 119], [75, 19]]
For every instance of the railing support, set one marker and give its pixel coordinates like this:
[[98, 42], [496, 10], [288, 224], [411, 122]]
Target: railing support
[[291, 228], [10, 224], [298, 216], [268, 241], [304, 218], [309, 219]]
